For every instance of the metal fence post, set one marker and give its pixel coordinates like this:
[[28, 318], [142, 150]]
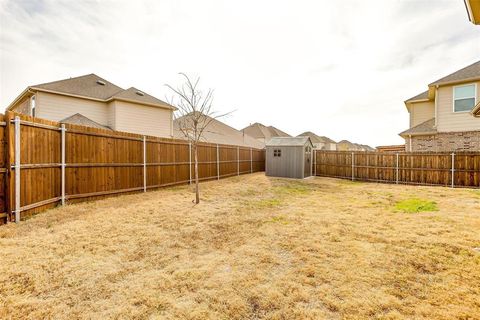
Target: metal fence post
[[396, 170], [238, 161], [17, 169], [63, 162], [353, 166], [144, 164], [251, 161], [218, 164], [190, 162], [453, 169]]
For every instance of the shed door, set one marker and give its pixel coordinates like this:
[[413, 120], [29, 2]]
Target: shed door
[[308, 162]]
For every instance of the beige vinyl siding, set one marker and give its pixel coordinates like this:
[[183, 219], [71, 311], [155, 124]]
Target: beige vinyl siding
[[57, 107], [421, 112], [141, 119], [449, 121]]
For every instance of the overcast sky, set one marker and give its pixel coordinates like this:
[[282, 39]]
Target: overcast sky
[[337, 68]]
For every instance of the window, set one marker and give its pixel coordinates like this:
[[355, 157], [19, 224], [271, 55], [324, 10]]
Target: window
[[464, 97], [277, 152]]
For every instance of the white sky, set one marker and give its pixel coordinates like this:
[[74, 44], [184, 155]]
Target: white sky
[[337, 68]]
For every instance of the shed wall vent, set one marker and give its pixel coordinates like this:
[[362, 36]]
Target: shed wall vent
[[140, 93], [100, 82]]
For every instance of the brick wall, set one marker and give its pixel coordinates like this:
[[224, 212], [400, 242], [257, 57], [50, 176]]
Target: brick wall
[[445, 141]]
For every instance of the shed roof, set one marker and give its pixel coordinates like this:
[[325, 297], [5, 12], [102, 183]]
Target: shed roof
[[288, 141]]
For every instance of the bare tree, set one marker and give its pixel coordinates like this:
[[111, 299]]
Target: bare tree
[[193, 116]]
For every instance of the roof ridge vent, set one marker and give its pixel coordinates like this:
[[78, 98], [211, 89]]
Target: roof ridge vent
[[140, 93], [100, 82]]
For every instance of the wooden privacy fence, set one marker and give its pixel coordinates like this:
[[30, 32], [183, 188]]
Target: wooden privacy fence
[[51, 163], [447, 169]]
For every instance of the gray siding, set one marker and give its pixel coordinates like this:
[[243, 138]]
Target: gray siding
[[289, 165]]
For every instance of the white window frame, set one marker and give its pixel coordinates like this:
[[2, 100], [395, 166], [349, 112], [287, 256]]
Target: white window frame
[[474, 96]]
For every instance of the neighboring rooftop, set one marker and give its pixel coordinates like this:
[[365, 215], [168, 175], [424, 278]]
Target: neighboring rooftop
[[316, 138], [287, 141], [469, 72], [93, 87], [80, 119], [219, 132], [262, 132], [423, 128]]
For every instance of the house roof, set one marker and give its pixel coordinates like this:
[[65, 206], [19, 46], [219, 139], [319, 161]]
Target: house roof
[[468, 73], [260, 131], [288, 141], [93, 87], [420, 96], [424, 128], [346, 142], [277, 132], [86, 86], [219, 132], [80, 119], [134, 94]]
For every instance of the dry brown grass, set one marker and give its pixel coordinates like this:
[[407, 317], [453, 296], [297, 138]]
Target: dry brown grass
[[255, 247]]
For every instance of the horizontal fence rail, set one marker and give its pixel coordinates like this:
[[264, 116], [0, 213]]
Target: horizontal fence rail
[[459, 169], [51, 163]]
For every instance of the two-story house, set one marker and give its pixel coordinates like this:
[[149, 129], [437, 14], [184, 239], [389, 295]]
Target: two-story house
[[93, 101], [445, 117]]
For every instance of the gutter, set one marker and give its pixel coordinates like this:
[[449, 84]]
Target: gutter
[[34, 90]]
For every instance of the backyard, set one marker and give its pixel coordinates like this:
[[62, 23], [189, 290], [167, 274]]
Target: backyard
[[255, 247]]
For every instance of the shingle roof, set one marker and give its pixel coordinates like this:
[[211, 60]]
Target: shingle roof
[[315, 138], [80, 119], [86, 86], [219, 132], [259, 131], [95, 87], [420, 96], [424, 128], [288, 141], [469, 72], [136, 95]]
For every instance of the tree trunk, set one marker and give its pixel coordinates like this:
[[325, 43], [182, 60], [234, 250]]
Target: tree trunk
[[197, 191]]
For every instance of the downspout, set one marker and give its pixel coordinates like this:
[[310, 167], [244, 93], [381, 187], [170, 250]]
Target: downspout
[[410, 142], [436, 107]]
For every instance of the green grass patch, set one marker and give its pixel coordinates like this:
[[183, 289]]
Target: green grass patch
[[278, 219], [266, 203], [293, 189], [414, 205]]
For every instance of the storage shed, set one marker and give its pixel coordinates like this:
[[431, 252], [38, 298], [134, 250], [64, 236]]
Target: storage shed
[[289, 157]]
